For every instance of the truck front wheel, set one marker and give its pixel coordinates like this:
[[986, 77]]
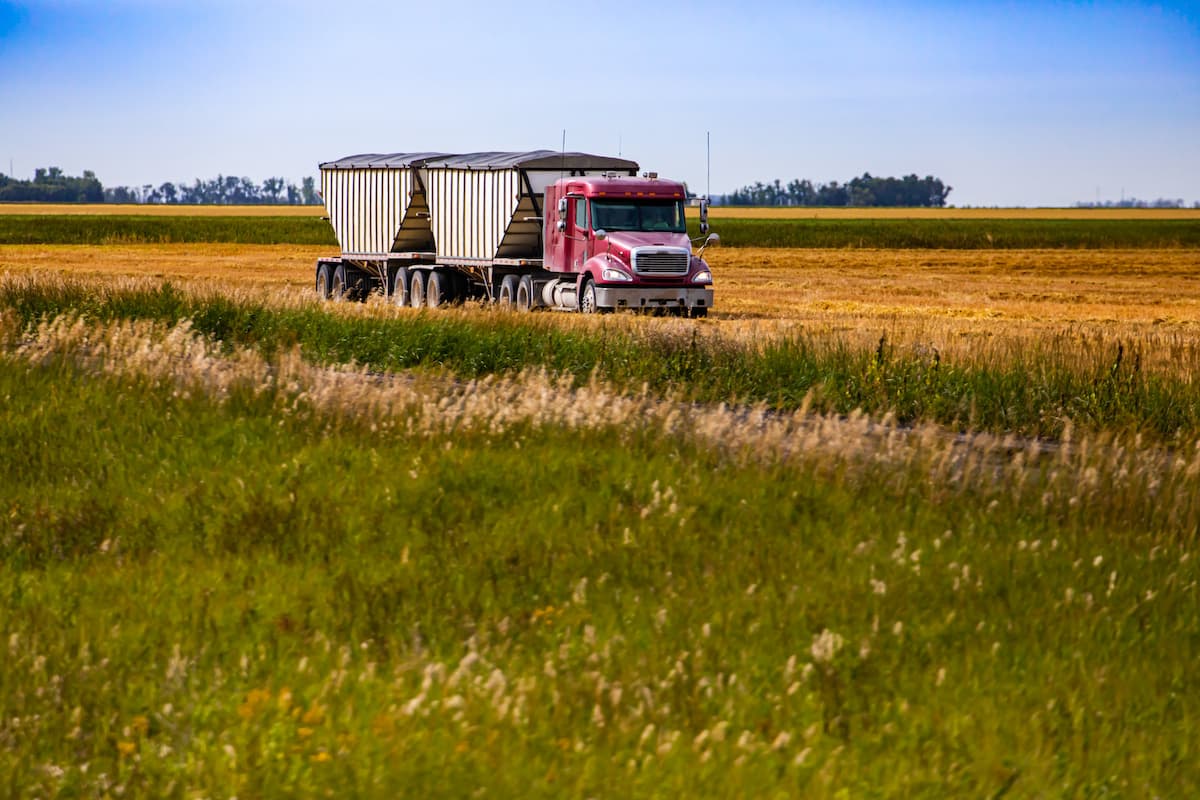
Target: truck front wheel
[[587, 298]]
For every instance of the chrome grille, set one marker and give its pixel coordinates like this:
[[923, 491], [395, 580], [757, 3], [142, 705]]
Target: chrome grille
[[658, 261]]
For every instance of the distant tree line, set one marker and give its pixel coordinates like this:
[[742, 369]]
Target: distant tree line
[[1133, 202], [865, 191], [49, 185], [221, 190]]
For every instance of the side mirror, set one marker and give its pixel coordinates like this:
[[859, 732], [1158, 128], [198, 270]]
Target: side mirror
[[711, 239], [562, 208], [561, 225], [600, 234], [703, 216]]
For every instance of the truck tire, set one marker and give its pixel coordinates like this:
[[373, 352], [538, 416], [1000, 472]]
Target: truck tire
[[324, 279], [416, 289], [339, 289], [587, 297], [508, 291], [699, 312], [437, 289], [400, 287], [525, 293]]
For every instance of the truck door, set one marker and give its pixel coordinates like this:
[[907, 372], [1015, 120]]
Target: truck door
[[575, 243]]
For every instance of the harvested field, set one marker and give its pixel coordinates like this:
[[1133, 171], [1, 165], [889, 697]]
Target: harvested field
[[991, 290]]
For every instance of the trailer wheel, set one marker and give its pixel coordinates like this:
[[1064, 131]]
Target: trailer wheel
[[437, 289], [324, 278], [339, 289], [525, 293], [587, 298], [416, 289], [508, 291], [400, 287], [699, 312]]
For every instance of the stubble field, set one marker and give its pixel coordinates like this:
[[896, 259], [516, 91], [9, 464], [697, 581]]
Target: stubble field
[[889, 523]]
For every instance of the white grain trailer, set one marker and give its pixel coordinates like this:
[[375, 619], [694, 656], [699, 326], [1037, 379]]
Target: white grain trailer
[[427, 228]]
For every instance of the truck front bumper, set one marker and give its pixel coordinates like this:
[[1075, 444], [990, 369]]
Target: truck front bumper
[[639, 297]]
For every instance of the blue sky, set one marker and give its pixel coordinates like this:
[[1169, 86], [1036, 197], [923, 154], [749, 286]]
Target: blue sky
[[1014, 103]]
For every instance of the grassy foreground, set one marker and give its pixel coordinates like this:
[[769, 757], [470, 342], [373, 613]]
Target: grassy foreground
[[219, 576], [919, 233], [1033, 389]]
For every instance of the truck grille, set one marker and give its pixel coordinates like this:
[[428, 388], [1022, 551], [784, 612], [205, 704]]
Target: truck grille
[[660, 261]]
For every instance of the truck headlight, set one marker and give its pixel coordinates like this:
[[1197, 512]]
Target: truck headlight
[[614, 274], [703, 276]]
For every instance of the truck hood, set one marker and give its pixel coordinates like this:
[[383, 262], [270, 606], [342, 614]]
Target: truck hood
[[627, 240]]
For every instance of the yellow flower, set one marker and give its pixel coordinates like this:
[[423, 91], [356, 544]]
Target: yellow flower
[[126, 748], [304, 733], [256, 701], [285, 699], [141, 724], [321, 757], [314, 716]]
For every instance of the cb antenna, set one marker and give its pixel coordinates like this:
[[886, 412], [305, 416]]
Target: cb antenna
[[708, 165], [562, 164]]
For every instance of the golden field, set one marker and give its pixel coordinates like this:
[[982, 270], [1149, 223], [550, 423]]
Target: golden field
[[1026, 287], [968, 304]]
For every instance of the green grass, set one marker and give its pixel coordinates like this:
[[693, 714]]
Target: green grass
[[958, 234], [229, 598], [1034, 391], [865, 233], [119, 229]]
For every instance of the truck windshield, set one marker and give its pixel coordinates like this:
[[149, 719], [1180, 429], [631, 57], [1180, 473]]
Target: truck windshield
[[640, 215]]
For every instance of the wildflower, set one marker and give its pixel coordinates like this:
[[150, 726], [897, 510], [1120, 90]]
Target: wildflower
[[126, 748], [647, 732], [304, 733], [141, 724], [825, 646], [321, 757]]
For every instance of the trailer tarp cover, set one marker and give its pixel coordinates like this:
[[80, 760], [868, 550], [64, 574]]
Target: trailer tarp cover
[[532, 159], [383, 161]]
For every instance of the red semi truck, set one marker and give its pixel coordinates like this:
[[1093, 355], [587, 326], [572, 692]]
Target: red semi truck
[[569, 231]]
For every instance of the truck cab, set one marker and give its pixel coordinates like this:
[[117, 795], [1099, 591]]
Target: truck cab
[[620, 242]]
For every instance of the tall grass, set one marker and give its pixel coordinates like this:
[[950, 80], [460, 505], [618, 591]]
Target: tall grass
[[1035, 389], [220, 576]]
